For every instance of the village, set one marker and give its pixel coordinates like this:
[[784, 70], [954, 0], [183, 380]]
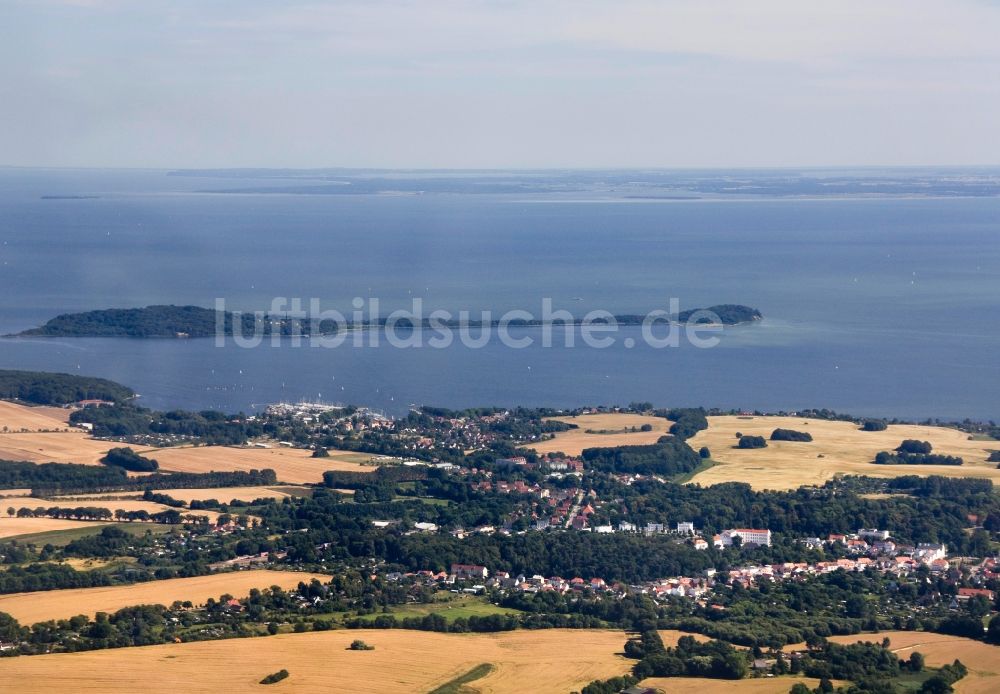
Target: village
[[884, 557]]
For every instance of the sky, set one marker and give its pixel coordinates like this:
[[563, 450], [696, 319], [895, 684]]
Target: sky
[[499, 84]]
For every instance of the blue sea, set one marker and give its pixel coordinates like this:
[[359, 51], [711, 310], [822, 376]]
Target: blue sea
[[880, 298]]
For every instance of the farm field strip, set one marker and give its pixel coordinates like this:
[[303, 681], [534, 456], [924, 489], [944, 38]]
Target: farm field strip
[[574, 441], [222, 494], [68, 447], [40, 606], [292, 465], [13, 527], [16, 417], [110, 504], [227, 494]]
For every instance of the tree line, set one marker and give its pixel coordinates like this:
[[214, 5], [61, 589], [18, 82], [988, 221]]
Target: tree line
[[40, 388]]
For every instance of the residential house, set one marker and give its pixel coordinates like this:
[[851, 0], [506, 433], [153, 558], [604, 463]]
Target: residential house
[[510, 463], [469, 571], [873, 534], [967, 593], [929, 551]]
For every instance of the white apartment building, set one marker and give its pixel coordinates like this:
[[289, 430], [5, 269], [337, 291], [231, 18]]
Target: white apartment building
[[747, 536]]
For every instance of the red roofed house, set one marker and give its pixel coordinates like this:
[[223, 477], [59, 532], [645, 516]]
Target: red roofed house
[[966, 593]]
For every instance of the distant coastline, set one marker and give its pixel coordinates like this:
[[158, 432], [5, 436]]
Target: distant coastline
[[70, 197]]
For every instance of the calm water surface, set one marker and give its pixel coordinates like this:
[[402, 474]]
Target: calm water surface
[[874, 306]]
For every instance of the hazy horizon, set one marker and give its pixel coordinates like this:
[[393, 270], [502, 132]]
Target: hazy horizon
[[704, 84], [319, 168]]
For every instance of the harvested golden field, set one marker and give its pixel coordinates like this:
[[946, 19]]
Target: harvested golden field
[[293, 465], [81, 564], [112, 505], [12, 527], [14, 417], [545, 661], [227, 494], [221, 494], [670, 636], [836, 448], [574, 441], [699, 685], [29, 608], [75, 446], [66, 447], [983, 660], [551, 660]]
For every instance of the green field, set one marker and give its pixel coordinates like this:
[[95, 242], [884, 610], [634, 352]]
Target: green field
[[448, 605], [688, 476], [433, 501], [913, 681], [292, 490]]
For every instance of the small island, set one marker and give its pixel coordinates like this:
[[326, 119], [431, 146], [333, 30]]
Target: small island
[[179, 322]]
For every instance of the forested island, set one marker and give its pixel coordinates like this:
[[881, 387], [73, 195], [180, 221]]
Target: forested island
[[167, 321]]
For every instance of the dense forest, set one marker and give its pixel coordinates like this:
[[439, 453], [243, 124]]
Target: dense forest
[[41, 388], [128, 459], [687, 421], [49, 479], [152, 321], [208, 426], [23, 475], [669, 456], [386, 475]]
